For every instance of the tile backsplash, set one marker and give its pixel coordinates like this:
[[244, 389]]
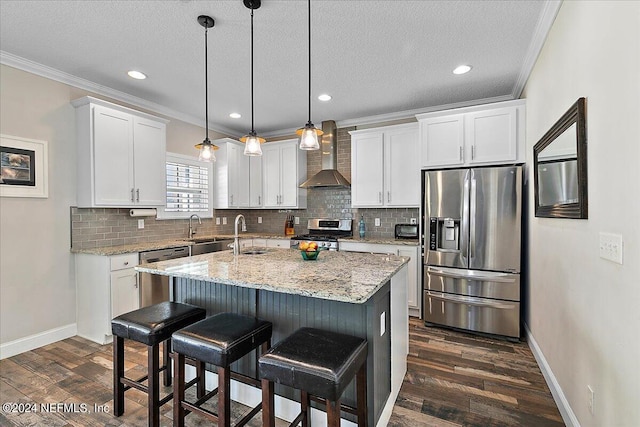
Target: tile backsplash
[[91, 228]]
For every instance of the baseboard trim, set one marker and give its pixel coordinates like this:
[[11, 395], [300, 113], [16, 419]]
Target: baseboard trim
[[568, 416], [32, 342]]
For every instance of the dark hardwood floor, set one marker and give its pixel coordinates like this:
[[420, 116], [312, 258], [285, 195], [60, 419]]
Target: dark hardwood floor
[[458, 379], [453, 379]]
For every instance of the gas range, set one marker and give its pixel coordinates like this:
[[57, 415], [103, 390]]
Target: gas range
[[325, 232]]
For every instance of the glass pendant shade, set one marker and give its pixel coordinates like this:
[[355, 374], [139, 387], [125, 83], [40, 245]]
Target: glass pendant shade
[[309, 137], [252, 144], [206, 151]]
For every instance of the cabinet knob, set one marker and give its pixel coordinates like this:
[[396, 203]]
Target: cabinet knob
[[126, 263]]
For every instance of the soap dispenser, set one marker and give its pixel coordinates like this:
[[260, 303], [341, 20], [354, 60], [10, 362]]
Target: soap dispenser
[[361, 226]]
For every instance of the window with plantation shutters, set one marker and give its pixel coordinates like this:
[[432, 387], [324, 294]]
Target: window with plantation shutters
[[189, 187]]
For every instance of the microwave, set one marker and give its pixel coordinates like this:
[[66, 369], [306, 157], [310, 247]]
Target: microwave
[[406, 231]]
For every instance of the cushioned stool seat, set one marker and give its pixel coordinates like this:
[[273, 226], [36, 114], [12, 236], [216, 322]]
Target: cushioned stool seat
[[317, 362], [219, 340], [150, 326]]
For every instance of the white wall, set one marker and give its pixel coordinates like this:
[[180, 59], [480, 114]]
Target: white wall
[[585, 311], [37, 281]]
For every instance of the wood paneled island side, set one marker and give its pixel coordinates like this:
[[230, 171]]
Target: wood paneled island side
[[353, 293]]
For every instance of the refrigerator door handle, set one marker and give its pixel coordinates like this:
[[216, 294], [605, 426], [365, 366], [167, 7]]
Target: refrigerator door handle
[[464, 228], [498, 277], [478, 302], [472, 217]]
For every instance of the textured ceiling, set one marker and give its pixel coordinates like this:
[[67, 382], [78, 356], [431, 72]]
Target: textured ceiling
[[373, 57]]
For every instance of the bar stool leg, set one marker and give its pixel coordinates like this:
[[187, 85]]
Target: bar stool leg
[[268, 416], [200, 373], [118, 372], [361, 398], [333, 413], [178, 390], [305, 403], [153, 384], [224, 397], [166, 349]]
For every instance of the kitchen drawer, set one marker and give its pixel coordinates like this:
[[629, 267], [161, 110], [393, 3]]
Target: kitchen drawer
[[120, 262], [279, 243]]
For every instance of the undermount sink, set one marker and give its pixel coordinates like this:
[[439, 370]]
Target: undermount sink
[[254, 252], [205, 246], [203, 239]]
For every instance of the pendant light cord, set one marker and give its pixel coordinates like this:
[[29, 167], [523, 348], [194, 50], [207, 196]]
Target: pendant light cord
[[309, 14], [252, 127], [206, 84]]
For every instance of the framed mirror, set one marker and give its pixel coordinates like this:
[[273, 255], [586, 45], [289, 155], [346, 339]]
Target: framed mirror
[[560, 167]]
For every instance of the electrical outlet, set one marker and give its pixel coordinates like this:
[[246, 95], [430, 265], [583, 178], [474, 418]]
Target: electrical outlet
[[590, 398], [218, 221], [224, 220], [611, 247], [297, 220], [140, 224], [377, 222], [383, 323], [413, 220], [259, 220]]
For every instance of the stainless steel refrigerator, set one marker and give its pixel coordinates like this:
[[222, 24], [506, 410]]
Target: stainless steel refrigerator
[[471, 242]]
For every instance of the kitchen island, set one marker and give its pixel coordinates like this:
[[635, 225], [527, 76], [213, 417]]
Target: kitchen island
[[353, 293]]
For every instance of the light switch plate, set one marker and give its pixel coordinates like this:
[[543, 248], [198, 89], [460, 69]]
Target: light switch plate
[[297, 220], [377, 222], [218, 221], [414, 220], [224, 220], [259, 220], [140, 224], [611, 247]]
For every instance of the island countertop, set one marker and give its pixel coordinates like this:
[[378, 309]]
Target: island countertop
[[339, 276]]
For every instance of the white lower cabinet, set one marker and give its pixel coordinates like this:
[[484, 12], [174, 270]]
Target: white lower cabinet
[[413, 277], [106, 286]]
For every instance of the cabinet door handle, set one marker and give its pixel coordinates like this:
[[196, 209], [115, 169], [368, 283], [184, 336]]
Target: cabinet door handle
[[137, 195], [461, 154], [388, 196], [259, 201], [473, 152], [380, 196], [132, 198], [232, 199], [135, 284]]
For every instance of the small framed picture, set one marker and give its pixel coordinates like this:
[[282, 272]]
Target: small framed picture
[[23, 167]]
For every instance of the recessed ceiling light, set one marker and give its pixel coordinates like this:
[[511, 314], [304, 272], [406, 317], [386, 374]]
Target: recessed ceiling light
[[324, 97], [137, 75], [235, 115], [462, 69]]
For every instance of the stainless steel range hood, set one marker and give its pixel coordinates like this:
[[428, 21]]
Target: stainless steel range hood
[[329, 175]]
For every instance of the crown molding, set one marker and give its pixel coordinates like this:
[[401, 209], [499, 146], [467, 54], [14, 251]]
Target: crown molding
[[547, 17], [32, 67]]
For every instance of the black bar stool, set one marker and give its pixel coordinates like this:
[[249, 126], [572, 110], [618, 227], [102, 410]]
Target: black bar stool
[[150, 326], [318, 363], [219, 340]]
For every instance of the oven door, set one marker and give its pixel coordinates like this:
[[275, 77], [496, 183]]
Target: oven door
[[485, 315]]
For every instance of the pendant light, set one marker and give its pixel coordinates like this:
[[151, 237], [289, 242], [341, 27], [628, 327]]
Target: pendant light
[[309, 134], [206, 147], [252, 140]]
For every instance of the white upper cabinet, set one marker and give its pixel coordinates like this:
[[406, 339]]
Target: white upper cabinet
[[479, 135], [231, 175], [385, 170], [256, 197], [284, 168], [121, 156]]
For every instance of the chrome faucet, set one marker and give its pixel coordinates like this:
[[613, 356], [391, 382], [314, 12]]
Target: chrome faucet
[[236, 245], [191, 230]]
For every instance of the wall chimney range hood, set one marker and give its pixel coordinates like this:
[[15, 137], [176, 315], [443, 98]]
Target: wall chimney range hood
[[329, 175]]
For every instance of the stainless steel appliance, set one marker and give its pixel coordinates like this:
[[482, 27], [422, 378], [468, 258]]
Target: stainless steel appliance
[[155, 288], [325, 232], [406, 231], [471, 243]]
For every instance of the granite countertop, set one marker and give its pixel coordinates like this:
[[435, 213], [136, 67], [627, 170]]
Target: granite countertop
[[169, 243], [338, 276], [381, 241]]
